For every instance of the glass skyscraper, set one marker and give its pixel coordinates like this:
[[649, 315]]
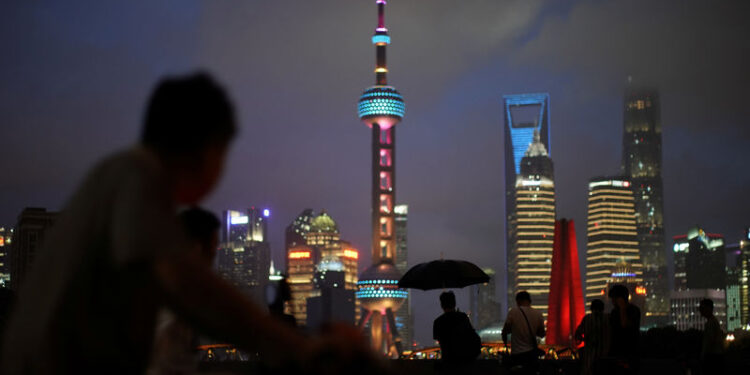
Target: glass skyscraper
[[641, 164], [524, 114], [533, 225]]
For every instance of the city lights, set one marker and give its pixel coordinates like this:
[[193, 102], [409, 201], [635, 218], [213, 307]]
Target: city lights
[[351, 254], [299, 255]]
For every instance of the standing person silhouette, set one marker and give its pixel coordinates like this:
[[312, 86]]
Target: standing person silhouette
[[524, 324], [625, 325], [712, 348], [459, 342], [117, 254], [594, 333]]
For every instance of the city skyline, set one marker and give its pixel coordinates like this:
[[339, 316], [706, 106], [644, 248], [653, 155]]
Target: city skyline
[[69, 100]]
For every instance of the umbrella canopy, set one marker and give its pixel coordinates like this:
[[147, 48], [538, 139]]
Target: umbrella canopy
[[444, 273]]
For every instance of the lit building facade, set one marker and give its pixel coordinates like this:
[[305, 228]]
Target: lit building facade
[[566, 307], [332, 302], [404, 317], [530, 261], [28, 237], [684, 308], [700, 260], [484, 309], [524, 115], [6, 239], [641, 164], [612, 238], [381, 107], [301, 260], [295, 233], [244, 254], [744, 278]]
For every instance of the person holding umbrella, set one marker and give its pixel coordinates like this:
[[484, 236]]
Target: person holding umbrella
[[459, 342]]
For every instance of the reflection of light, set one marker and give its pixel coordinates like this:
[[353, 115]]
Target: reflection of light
[[299, 254], [641, 291], [353, 254], [239, 220], [266, 212]]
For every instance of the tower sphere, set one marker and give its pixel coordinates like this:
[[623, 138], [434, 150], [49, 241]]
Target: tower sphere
[[381, 105], [377, 288]]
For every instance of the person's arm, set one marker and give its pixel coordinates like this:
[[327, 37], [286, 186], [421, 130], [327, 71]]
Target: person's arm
[[541, 331], [214, 306], [507, 329], [579, 330]]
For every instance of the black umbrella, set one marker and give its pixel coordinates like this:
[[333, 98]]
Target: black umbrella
[[444, 273]]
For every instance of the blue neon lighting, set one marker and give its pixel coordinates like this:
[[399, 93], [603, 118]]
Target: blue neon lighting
[[623, 274], [523, 136], [381, 39], [387, 293], [381, 101]]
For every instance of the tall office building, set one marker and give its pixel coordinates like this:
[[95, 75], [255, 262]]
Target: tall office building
[[244, 255], [333, 303], [484, 309], [6, 239], [641, 164], [524, 115], [566, 293], [381, 107], [700, 261], [533, 224], [315, 244], [28, 237], [404, 317], [301, 265], [612, 238]]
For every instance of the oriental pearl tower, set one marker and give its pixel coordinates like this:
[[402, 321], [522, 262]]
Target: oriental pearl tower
[[381, 107]]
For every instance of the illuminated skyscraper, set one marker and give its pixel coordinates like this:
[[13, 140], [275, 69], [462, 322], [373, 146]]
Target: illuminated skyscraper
[[301, 261], [744, 278], [381, 107], [244, 255], [612, 237], [404, 318], [6, 239], [530, 257], [641, 164], [525, 114], [296, 231]]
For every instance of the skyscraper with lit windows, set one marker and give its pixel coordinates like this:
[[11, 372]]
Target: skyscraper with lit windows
[[612, 240], [641, 164], [533, 223], [524, 115]]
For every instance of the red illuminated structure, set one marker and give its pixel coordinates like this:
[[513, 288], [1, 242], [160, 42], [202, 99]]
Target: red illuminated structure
[[566, 308], [381, 107]]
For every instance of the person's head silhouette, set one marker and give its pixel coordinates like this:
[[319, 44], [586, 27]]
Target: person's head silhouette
[[619, 294], [597, 305], [189, 122], [706, 308], [448, 301], [523, 298]]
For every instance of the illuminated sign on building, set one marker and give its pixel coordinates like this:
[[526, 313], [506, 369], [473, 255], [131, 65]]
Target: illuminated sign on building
[[239, 220], [641, 291], [352, 254], [299, 254]]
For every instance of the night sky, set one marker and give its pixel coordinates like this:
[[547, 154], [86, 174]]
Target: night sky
[[74, 77]]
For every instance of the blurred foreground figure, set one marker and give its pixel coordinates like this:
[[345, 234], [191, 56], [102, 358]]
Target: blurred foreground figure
[[625, 330], [174, 347], [712, 348], [117, 254], [594, 333]]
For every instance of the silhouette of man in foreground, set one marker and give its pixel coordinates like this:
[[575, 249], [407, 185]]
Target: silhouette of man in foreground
[[524, 324], [117, 254], [712, 348], [459, 342], [594, 332], [625, 325]]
